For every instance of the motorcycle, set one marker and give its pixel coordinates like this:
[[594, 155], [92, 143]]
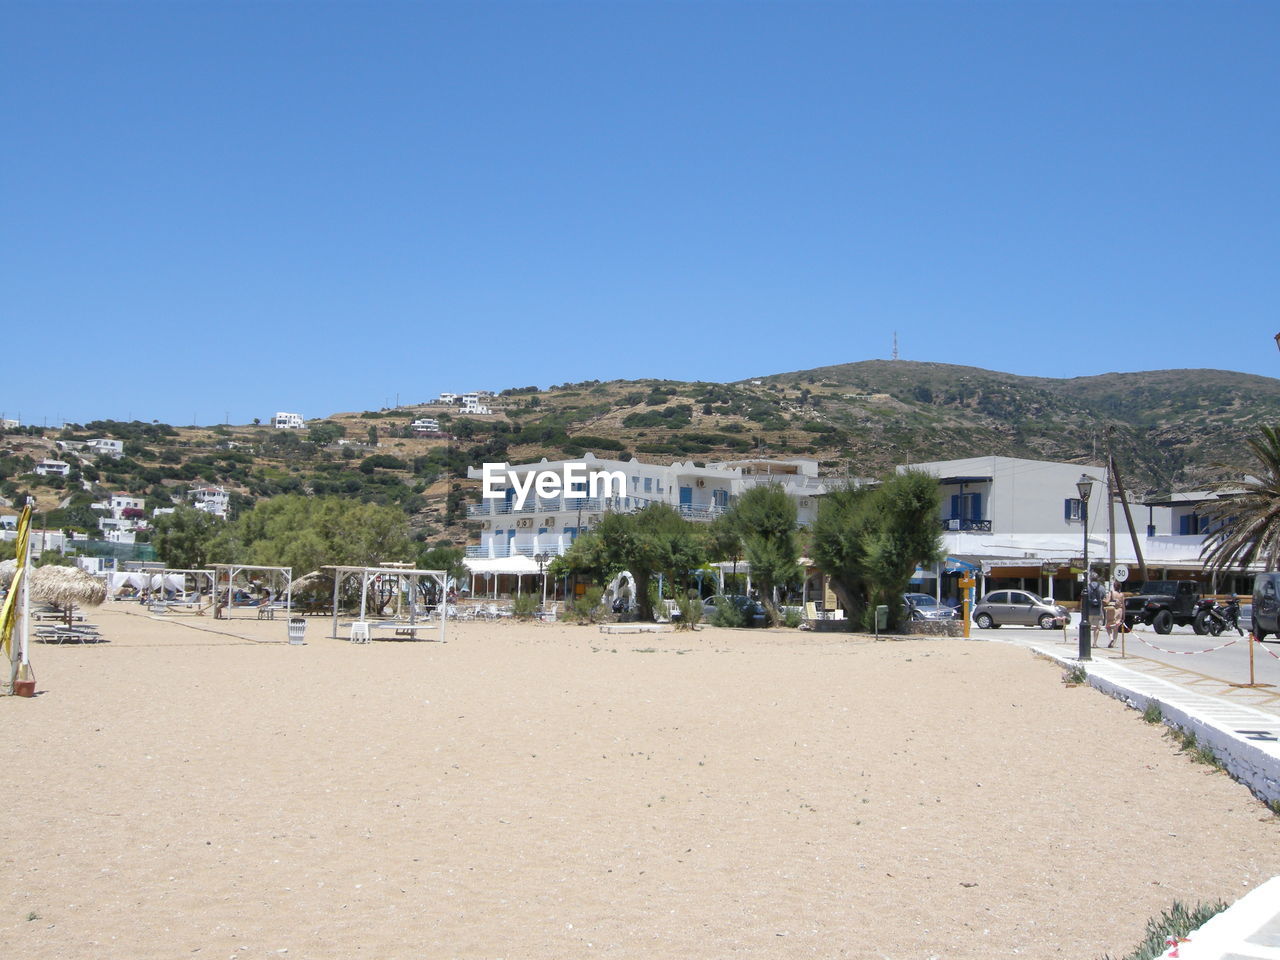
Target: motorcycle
[[1231, 614], [1209, 618]]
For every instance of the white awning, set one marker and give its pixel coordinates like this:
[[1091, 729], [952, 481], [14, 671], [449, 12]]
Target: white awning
[[517, 566]]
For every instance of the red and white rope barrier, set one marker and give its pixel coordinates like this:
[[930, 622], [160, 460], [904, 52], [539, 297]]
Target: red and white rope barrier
[[1188, 653]]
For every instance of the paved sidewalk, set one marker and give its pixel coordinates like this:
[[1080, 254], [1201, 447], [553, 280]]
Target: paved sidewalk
[[1241, 725]]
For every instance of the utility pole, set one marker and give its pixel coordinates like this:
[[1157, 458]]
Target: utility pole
[[1113, 471]]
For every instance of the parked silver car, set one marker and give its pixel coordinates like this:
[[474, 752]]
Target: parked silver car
[[921, 606], [1017, 607]]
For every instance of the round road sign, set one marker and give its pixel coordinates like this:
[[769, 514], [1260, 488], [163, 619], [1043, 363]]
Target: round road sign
[[1120, 574]]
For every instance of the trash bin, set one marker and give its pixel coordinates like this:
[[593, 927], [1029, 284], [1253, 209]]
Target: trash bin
[[297, 629], [882, 618]]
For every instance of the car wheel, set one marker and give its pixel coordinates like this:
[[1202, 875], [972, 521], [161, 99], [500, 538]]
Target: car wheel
[[984, 621], [1259, 635], [1163, 622], [1047, 621]]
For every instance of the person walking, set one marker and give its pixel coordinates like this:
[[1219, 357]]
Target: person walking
[[1113, 610], [1093, 607]]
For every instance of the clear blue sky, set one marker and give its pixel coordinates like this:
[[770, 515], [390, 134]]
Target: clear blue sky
[[217, 209]]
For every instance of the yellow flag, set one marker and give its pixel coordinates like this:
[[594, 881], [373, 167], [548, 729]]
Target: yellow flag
[[9, 614]]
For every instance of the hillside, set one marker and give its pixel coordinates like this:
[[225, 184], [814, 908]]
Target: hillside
[[1170, 430]]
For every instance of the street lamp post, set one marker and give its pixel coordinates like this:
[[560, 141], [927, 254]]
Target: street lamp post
[[1085, 487], [542, 559]]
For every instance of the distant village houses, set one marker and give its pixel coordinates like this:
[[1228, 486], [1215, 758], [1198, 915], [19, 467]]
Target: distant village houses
[[477, 403]]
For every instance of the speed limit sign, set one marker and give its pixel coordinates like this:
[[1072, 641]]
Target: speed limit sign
[[1120, 574]]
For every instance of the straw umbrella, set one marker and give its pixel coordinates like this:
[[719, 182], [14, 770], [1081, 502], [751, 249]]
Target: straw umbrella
[[66, 587], [316, 585]]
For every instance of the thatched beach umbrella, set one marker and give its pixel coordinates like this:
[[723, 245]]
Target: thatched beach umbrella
[[316, 581], [66, 587], [63, 586]]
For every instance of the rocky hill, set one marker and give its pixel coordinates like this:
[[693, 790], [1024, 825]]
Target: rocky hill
[[1175, 429]]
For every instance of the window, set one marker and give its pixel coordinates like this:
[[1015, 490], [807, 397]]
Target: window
[[1001, 597], [1191, 524], [1073, 509]]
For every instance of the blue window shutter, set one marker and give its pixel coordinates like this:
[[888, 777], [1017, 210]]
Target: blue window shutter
[[955, 506], [975, 505], [1184, 525]]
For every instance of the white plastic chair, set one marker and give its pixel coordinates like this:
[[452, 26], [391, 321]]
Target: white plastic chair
[[360, 631]]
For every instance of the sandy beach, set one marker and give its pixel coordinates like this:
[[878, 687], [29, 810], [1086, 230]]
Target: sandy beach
[[546, 791]]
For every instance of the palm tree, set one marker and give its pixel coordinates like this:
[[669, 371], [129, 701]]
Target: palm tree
[[1249, 511]]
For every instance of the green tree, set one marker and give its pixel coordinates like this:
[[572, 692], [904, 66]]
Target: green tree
[[326, 432], [1249, 511], [656, 540], [443, 557], [191, 539], [869, 540], [765, 519], [306, 533]]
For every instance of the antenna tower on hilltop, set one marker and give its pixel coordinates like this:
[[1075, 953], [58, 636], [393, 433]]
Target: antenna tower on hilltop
[[895, 344]]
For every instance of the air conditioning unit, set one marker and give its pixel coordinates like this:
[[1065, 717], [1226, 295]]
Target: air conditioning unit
[[550, 521], [702, 483], [524, 523], [953, 524], [486, 525]]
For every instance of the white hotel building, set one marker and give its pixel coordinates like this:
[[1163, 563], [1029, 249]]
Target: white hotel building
[[548, 525]]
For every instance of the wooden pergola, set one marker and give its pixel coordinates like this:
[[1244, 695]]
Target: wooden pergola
[[282, 575], [399, 577]]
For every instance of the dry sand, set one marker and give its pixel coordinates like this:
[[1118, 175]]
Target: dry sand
[[544, 791]]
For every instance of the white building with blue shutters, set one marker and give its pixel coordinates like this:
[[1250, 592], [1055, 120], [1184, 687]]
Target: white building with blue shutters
[[549, 524], [1009, 519]]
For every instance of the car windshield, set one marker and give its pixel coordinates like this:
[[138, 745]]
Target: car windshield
[[923, 600]]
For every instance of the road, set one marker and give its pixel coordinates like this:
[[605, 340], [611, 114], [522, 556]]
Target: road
[[1179, 656]]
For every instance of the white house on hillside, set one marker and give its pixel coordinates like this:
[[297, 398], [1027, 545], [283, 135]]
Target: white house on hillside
[[56, 468], [288, 421], [105, 447], [210, 499]]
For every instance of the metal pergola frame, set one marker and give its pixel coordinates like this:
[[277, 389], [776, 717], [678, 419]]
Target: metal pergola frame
[[232, 569], [367, 575], [194, 575]]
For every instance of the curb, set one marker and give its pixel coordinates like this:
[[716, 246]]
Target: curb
[[1249, 929]]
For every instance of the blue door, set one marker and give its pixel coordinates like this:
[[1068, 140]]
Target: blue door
[[686, 496]]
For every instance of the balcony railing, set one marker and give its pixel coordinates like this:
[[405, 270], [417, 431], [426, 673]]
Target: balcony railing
[[504, 550], [700, 511], [497, 508], [955, 523]]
